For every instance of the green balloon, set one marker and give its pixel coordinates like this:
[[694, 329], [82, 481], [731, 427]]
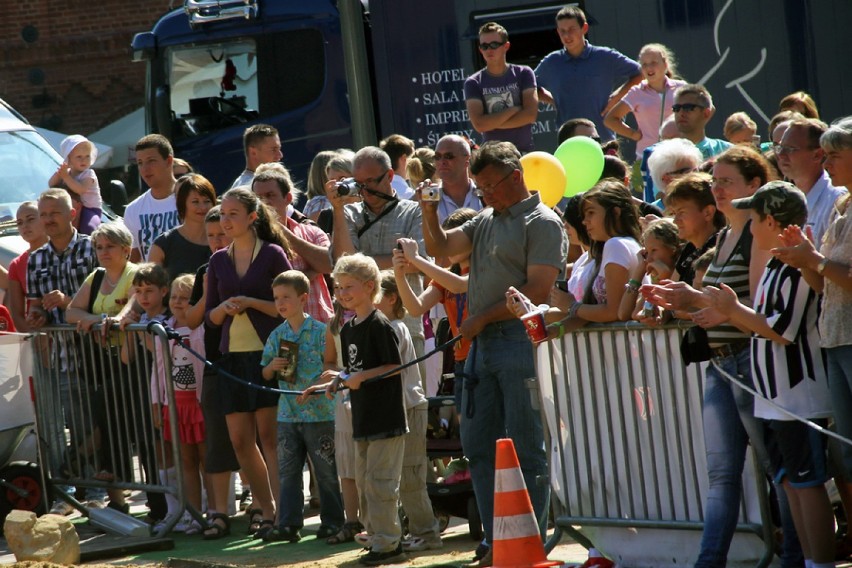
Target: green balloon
[[583, 160]]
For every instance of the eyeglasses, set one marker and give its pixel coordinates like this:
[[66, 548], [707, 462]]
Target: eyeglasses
[[491, 45], [480, 191], [449, 156], [680, 172], [781, 149], [722, 182], [688, 107]]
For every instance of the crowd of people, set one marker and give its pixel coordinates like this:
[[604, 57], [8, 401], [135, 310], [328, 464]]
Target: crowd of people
[[748, 241]]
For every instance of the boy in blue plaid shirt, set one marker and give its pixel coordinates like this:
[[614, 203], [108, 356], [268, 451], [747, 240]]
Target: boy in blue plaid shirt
[[303, 429]]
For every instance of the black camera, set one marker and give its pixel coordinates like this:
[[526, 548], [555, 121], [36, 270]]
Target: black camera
[[347, 186]]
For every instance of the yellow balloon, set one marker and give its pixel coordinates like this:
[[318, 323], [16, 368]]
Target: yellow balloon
[[545, 174]]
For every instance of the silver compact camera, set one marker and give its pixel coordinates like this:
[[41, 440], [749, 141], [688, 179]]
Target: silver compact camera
[[431, 193], [347, 186]]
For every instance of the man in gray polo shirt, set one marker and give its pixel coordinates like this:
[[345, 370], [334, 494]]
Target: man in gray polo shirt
[[516, 242]]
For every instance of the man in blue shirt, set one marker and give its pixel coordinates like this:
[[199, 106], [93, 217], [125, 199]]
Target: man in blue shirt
[[580, 78]]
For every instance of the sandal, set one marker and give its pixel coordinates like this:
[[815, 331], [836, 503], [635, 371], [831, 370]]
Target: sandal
[[218, 531], [265, 529], [255, 520], [193, 528], [346, 534]]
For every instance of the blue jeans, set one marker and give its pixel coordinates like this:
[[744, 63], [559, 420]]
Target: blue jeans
[[498, 367], [458, 384], [729, 424], [839, 370], [297, 441]]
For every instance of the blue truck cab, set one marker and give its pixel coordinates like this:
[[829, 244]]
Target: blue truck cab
[[211, 76], [326, 74]]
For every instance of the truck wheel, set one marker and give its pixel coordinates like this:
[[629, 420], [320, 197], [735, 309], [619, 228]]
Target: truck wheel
[[474, 523]]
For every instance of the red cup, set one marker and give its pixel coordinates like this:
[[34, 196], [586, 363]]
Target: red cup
[[535, 326]]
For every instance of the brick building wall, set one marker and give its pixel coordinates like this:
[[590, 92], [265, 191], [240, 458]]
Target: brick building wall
[[66, 64]]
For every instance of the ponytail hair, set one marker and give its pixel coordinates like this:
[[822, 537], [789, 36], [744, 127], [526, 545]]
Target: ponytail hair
[[266, 226]]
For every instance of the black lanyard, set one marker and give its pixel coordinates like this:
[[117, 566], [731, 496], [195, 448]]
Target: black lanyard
[[368, 223]]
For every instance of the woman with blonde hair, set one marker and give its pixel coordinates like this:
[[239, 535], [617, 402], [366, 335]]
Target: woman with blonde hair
[[800, 102], [421, 166]]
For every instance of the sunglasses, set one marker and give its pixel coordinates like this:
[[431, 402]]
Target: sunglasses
[[680, 172], [365, 186], [449, 156], [491, 45], [688, 107]]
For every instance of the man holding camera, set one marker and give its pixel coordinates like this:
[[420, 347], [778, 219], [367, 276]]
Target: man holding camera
[[373, 225], [518, 242]]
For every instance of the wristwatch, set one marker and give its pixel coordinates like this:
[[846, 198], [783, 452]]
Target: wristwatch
[[821, 266]]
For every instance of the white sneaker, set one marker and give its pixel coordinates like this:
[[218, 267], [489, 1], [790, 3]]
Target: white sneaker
[[417, 544], [180, 526], [184, 523], [61, 508]]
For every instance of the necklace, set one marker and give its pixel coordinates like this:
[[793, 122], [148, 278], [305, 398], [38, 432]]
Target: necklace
[[108, 280]]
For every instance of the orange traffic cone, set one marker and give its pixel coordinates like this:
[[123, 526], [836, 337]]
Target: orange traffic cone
[[517, 542]]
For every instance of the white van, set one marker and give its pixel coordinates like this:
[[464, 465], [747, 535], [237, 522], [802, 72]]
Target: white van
[[26, 163]]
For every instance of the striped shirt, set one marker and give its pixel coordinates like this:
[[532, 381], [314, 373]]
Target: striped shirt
[[734, 273], [792, 375], [49, 270]]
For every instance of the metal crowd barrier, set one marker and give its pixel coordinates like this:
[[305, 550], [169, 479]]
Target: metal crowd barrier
[[94, 417], [628, 468]]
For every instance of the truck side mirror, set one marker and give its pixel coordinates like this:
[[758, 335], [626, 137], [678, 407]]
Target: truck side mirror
[[163, 112]]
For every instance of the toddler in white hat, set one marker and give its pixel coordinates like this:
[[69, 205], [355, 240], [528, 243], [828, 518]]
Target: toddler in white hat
[[77, 176]]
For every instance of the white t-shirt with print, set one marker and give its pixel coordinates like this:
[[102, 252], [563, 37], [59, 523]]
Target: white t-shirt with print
[[582, 271], [618, 250], [147, 218]]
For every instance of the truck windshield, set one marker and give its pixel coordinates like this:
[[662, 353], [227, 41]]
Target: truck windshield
[[27, 162], [213, 86]]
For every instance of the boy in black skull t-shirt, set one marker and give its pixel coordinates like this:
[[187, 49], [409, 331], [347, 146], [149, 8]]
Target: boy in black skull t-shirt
[[370, 349]]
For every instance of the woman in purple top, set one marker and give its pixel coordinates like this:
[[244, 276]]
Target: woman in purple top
[[239, 298]]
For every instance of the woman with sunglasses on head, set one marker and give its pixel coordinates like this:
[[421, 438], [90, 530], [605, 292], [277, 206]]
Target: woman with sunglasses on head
[[183, 249]]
